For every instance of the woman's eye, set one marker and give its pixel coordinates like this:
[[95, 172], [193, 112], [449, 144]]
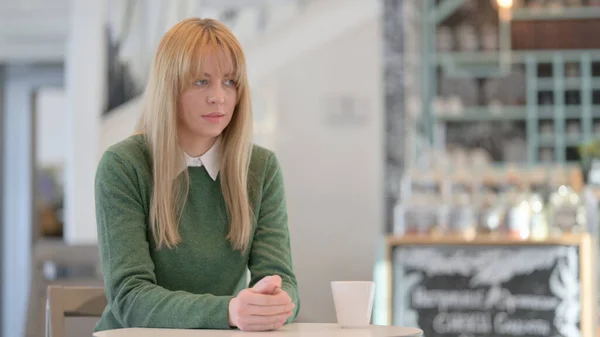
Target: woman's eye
[[201, 82], [229, 83]]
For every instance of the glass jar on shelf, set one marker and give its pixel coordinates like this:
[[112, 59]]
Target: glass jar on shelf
[[566, 208], [418, 213], [507, 193], [491, 214], [417, 216], [566, 211], [461, 219]]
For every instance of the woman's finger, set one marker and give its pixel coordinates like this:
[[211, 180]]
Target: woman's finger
[[260, 310], [281, 298], [265, 320]]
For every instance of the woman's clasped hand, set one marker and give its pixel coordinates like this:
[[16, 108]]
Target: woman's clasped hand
[[263, 307]]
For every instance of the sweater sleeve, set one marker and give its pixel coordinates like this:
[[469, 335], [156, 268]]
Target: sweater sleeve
[[134, 297], [270, 253]]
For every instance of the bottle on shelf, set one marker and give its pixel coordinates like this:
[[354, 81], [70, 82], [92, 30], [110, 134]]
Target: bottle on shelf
[[519, 212], [539, 220], [490, 213], [457, 197]]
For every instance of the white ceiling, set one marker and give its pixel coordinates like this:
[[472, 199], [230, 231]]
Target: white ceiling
[[36, 30], [33, 30]]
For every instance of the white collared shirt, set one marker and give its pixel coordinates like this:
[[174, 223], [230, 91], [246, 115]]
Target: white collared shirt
[[211, 160]]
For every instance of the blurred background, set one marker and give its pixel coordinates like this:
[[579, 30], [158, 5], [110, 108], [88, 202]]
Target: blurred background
[[447, 149]]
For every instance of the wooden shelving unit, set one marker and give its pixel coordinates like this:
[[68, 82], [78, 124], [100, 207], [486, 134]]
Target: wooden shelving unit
[[560, 97]]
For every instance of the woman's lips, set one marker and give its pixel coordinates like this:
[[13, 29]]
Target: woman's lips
[[213, 117]]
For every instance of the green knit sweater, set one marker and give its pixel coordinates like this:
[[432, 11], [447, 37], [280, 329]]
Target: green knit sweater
[[191, 285]]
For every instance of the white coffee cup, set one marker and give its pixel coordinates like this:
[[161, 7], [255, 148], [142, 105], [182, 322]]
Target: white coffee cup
[[353, 302]]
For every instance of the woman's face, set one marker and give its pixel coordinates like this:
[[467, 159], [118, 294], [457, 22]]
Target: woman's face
[[206, 107]]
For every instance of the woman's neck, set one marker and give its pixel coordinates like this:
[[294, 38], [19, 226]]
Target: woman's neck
[[195, 146]]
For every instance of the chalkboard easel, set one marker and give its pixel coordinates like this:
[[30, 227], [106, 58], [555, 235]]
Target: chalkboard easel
[[451, 286]]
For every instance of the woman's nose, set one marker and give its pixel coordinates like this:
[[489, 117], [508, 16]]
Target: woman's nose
[[216, 100], [216, 96]]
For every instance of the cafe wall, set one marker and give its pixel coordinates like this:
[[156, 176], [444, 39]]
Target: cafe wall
[[329, 141]]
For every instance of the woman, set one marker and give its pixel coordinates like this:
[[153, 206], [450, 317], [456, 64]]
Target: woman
[[188, 204]]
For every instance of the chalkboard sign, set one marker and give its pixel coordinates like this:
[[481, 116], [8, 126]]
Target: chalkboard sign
[[500, 289]]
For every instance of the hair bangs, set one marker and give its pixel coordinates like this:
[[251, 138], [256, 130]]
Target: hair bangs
[[210, 47]]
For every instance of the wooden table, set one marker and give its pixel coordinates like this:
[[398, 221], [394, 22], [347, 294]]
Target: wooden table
[[290, 330]]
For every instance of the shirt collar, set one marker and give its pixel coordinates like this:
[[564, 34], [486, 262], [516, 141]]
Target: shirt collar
[[211, 160]]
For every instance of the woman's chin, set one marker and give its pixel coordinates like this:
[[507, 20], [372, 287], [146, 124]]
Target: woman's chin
[[209, 133]]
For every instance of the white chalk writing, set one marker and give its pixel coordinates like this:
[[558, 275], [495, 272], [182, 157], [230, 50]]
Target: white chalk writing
[[423, 298], [502, 299], [503, 324], [499, 298], [490, 267], [458, 323]]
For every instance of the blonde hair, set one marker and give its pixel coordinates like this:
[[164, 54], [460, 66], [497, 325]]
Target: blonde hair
[[177, 64]]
